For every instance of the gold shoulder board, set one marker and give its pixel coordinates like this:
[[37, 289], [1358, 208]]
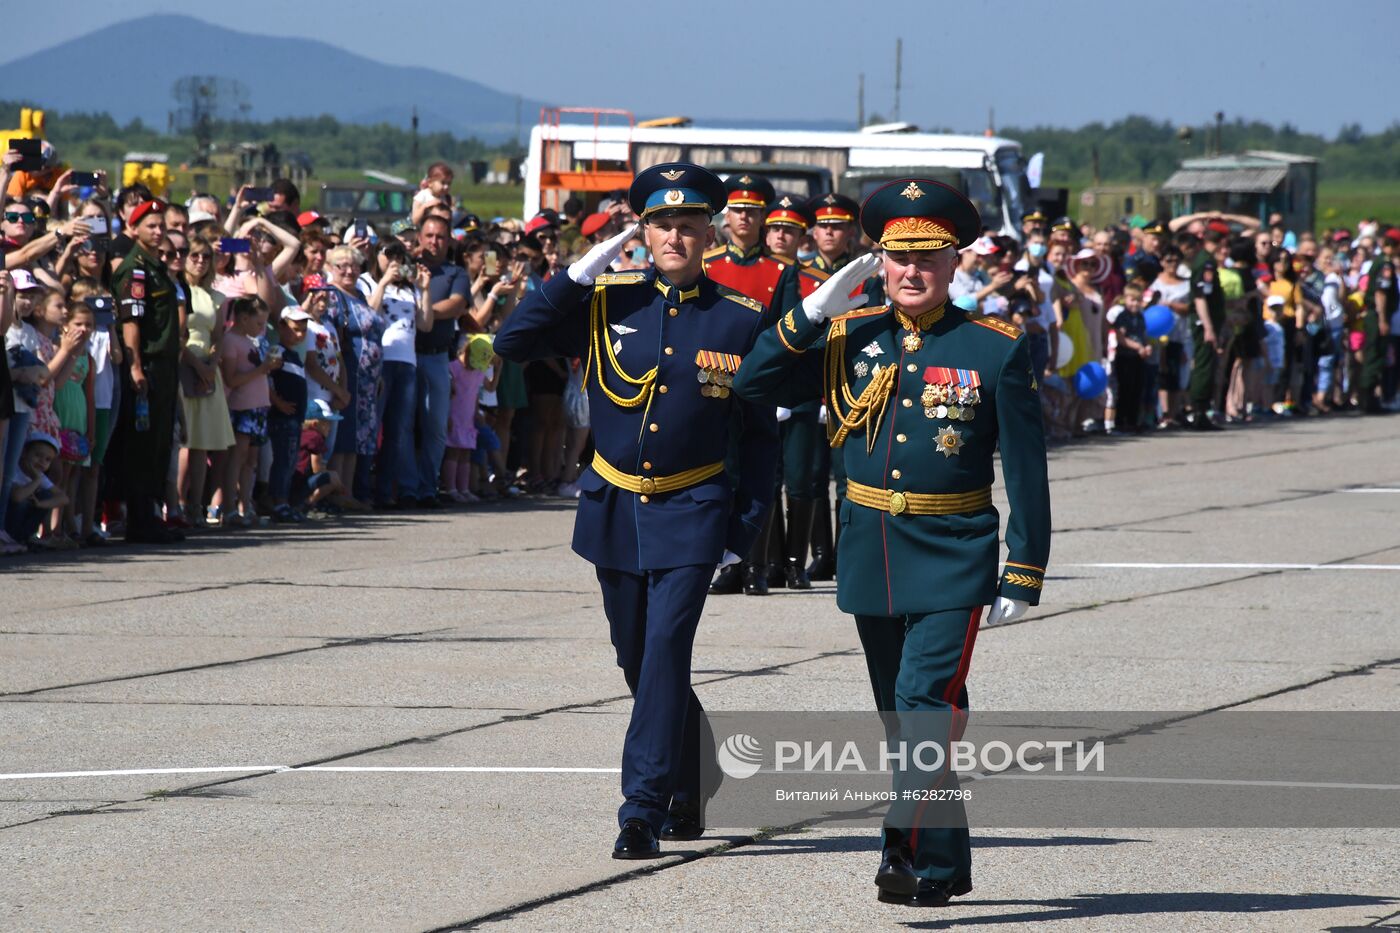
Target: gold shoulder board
[[998, 325], [862, 312], [821, 275], [620, 278], [742, 299], [714, 252]]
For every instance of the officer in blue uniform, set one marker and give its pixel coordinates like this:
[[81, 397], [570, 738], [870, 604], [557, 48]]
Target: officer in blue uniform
[[657, 512], [920, 397]]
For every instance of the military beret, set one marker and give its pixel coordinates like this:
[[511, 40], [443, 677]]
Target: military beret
[[747, 189], [919, 213], [833, 208], [593, 223], [788, 209], [144, 208], [673, 186]]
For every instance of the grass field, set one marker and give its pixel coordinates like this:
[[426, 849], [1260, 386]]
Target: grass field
[[1343, 203]]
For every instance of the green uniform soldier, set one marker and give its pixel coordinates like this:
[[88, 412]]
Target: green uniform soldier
[[149, 314], [920, 395], [806, 458], [1382, 298], [1208, 298]]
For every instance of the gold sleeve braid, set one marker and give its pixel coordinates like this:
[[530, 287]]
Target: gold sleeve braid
[[845, 412]]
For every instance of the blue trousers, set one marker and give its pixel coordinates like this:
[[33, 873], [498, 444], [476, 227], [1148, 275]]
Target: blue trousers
[[919, 664], [398, 462], [284, 437], [17, 431], [434, 403], [652, 617]]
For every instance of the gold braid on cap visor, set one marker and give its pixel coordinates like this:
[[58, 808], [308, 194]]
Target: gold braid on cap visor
[[904, 233]]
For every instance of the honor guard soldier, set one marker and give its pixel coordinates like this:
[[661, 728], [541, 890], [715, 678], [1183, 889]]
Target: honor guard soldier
[[148, 310], [784, 228], [920, 396], [805, 457], [743, 264], [746, 266], [657, 512]]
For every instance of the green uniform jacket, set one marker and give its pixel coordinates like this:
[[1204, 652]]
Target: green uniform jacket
[[146, 294], [893, 564]]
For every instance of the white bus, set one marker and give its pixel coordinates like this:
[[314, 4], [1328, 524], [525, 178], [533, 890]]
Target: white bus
[[587, 160]]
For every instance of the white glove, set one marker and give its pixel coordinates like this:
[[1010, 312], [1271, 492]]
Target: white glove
[[596, 261], [729, 558], [784, 414], [834, 296], [1006, 610]]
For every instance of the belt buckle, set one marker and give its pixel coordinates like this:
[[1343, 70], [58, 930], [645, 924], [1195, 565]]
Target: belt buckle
[[897, 502], [648, 485]]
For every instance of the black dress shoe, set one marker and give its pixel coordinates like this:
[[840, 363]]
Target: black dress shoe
[[797, 578], [896, 879], [684, 823], [937, 893], [755, 580], [822, 567], [431, 503], [728, 581], [637, 840]]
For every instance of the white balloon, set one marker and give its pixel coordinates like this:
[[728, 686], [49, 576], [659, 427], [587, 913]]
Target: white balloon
[[1066, 350]]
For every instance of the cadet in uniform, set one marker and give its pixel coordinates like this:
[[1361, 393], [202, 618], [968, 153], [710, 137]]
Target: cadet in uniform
[[1208, 299], [920, 395], [806, 458], [657, 512], [149, 314], [745, 265]]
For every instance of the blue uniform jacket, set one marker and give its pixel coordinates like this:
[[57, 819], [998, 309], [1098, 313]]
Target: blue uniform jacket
[[634, 322]]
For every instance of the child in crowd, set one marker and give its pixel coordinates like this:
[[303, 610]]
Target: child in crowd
[[1128, 351], [1273, 352], [33, 496], [247, 361], [73, 402], [65, 350], [104, 358], [284, 420], [490, 479], [313, 459], [467, 380]]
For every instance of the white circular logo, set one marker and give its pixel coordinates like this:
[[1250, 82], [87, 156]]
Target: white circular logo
[[740, 756]]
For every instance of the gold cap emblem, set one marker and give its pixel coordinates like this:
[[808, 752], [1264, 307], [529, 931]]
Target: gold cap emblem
[[829, 199], [913, 192], [673, 174], [745, 180], [785, 202], [675, 196]]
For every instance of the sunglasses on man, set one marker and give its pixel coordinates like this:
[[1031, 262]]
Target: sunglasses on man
[[15, 217]]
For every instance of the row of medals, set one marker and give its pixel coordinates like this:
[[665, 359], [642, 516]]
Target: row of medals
[[714, 384], [950, 401], [941, 400]]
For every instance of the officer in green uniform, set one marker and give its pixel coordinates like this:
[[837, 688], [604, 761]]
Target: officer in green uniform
[[920, 396], [1208, 298], [806, 458], [149, 314]]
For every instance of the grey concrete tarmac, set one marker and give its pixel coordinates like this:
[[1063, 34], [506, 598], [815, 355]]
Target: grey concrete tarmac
[[475, 639]]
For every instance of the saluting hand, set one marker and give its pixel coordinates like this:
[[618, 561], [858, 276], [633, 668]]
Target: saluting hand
[[596, 261], [833, 297]]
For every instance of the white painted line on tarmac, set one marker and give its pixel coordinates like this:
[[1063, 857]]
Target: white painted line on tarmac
[[283, 769], [1374, 489], [1234, 566]]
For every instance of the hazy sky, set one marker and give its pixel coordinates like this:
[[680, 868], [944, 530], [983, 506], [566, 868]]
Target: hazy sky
[[1316, 63]]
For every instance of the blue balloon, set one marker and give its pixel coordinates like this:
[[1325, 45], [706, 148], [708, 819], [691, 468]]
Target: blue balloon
[[1090, 380], [1159, 320]]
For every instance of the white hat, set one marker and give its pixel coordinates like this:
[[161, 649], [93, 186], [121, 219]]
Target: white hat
[[24, 280], [983, 246], [294, 313], [201, 217]]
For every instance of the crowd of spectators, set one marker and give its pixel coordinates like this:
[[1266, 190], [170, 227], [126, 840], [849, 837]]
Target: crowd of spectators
[[330, 367]]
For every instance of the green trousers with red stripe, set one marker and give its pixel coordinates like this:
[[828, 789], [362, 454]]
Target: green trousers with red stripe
[[918, 665]]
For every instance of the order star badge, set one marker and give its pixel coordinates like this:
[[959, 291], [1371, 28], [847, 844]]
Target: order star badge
[[949, 441]]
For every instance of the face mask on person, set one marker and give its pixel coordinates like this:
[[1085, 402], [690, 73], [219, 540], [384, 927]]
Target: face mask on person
[[806, 255], [1035, 249]]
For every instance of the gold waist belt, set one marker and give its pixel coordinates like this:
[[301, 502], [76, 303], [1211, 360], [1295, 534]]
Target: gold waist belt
[[647, 485], [918, 503]]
